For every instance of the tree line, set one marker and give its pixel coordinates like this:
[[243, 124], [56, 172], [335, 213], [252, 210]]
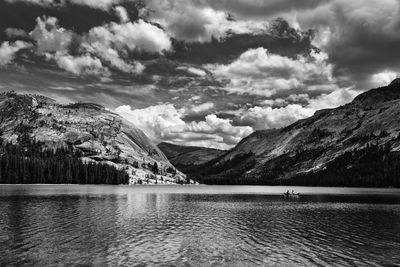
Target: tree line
[[28, 162], [372, 166]]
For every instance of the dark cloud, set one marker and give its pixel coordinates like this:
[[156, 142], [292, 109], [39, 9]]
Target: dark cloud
[[361, 38], [79, 18], [223, 51]]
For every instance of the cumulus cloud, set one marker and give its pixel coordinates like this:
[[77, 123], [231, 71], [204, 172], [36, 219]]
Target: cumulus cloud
[[112, 42], [259, 8], [192, 70], [122, 13], [383, 78], [103, 45], [267, 117], [141, 36], [112, 57], [49, 36], [15, 32], [102, 4], [138, 36], [361, 38], [165, 123], [195, 23], [202, 107], [261, 73], [8, 51], [84, 64]]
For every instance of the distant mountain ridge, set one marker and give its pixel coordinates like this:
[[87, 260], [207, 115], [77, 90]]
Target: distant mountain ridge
[[101, 135], [184, 156], [350, 134]]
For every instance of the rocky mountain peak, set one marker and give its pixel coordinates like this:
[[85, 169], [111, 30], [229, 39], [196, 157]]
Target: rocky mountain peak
[[395, 81], [101, 135], [379, 95]]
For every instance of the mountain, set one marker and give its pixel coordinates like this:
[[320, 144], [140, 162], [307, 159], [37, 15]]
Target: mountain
[[186, 156], [356, 144], [100, 135]]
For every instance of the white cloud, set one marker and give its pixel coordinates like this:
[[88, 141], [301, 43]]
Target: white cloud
[[84, 64], [134, 36], [192, 70], [112, 57], [141, 36], [259, 72], [122, 13], [14, 32], [165, 123], [202, 107], [192, 23], [101, 4], [102, 45], [8, 51], [268, 117], [383, 78], [111, 42], [334, 99], [49, 36]]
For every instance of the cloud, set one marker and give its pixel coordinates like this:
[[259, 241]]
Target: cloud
[[259, 8], [361, 38], [79, 65], [101, 4], [49, 36], [194, 23], [192, 70], [134, 36], [37, 2], [112, 57], [112, 42], [103, 44], [14, 32], [165, 123], [268, 117], [8, 51], [202, 107], [122, 14], [141, 36], [259, 72], [384, 77]]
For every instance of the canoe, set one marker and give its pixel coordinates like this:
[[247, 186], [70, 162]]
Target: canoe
[[296, 195]]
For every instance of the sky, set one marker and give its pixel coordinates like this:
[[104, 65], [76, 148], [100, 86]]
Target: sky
[[200, 72]]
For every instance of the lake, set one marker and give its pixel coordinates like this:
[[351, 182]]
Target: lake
[[45, 225]]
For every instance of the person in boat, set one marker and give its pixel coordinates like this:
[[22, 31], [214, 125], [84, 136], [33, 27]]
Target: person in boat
[[287, 193]]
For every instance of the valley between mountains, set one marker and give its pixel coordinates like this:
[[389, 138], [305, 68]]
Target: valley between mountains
[[356, 144]]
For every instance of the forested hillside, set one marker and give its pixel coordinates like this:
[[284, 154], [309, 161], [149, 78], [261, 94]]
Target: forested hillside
[[29, 163]]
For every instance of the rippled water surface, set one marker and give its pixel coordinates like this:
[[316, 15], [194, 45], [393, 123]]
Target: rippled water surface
[[197, 226]]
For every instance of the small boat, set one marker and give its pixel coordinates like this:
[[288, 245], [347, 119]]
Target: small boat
[[291, 195]]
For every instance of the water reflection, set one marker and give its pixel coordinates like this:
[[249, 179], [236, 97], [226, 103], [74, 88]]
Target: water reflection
[[124, 226]]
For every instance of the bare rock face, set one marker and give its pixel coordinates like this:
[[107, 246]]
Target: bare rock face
[[311, 144], [100, 134]]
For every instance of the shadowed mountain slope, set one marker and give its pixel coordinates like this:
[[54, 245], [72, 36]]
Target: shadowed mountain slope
[[188, 155], [343, 137]]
